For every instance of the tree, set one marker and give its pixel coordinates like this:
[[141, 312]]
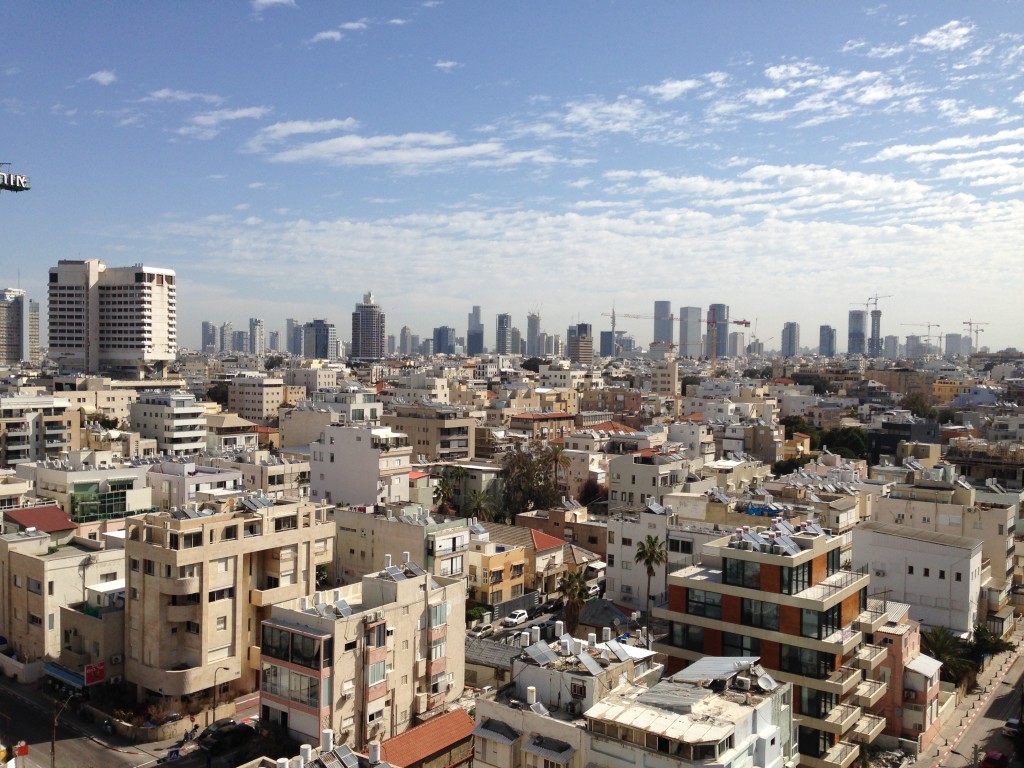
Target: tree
[[559, 460], [848, 442], [533, 364], [942, 645], [456, 475], [592, 492], [651, 552], [985, 642], [480, 505], [526, 482], [789, 466], [443, 495], [919, 405], [572, 588], [272, 362], [218, 393]]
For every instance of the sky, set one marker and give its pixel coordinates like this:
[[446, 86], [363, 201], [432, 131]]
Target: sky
[[788, 159]]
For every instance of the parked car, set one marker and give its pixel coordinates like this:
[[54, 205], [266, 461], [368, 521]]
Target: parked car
[[228, 737], [535, 610], [1011, 728], [593, 590], [515, 618], [994, 759], [213, 728], [483, 630], [553, 605]]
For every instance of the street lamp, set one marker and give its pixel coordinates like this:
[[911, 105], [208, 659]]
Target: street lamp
[[218, 669], [53, 737]]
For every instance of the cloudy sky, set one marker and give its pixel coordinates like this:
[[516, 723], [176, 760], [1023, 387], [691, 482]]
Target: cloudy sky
[[285, 156]]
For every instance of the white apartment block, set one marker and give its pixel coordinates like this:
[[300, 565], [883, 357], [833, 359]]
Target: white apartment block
[[938, 574], [19, 327], [227, 432], [359, 465], [184, 483], [35, 428], [277, 477], [260, 399], [369, 660], [636, 478], [199, 584], [112, 318], [174, 419]]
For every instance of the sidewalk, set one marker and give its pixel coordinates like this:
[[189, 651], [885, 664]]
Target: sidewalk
[[35, 698], [972, 704]]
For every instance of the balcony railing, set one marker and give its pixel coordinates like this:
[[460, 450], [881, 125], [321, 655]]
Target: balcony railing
[[869, 656]]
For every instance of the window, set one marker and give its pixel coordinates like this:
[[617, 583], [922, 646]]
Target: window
[[702, 603], [958, 576], [516, 591], [806, 662], [375, 673], [221, 594], [611, 534], [680, 546], [34, 620], [439, 614], [742, 573], [758, 613], [927, 572], [376, 637], [192, 627], [942, 575], [438, 649], [627, 542], [577, 689], [819, 624], [134, 564], [910, 570], [740, 645], [796, 579], [222, 622], [687, 636], [350, 645]]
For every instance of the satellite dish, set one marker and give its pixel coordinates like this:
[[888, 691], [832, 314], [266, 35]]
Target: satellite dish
[[767, 682]]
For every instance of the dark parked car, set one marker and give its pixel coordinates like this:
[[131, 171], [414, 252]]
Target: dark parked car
[[553, 605], [535, 610], [213, 728], [228, 737]]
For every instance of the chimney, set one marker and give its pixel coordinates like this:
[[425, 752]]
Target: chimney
[[374, 753], [387, 561], [326, 740], [531, 695]]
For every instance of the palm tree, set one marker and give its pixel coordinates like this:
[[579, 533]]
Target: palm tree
[[651, 552], [559, 460], [443, 494], [572, 588], [456, 475], [480, 505], [942, 645]]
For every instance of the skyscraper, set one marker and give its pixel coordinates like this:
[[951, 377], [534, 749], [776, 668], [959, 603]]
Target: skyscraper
[[240, 342], [827, 341], [368, 333], [19, 327], [875, 342], [532, 333], [209, 338], [293, 336], [444, 340], [718, 329], [474, 332], [225, 334], [663, 322], [737, 343], [274, 341], [405, 346], [320, 340], [257, 337], [689, 332], [790, 339], [112, 318], [856, 336], [503, 335], [581, 344]]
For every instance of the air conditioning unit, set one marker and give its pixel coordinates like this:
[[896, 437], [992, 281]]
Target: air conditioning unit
[[743, 683], [879, 572], [117, 658]]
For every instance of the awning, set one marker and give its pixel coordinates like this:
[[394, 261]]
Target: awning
[[63, 674], [924, 665]]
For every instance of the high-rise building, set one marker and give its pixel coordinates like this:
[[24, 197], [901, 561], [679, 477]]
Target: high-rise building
[[532, 333], [368, 332], [226, 333], [257, 337], [690, 337], [112, 318], [209, 337], [503, 335], [274, 341], [391, 344], [827, 341], [954, 344], [790, 339], [474, 332], [664, 323], [607, 344], [405, 345], [240, 342], [915, 347], [891, 348], [581, 344], [875, 342], [444, 340], [856, 336], [293, 336], [320, 340], [737, 343], [718, 330], [19, 327], [518, 345]]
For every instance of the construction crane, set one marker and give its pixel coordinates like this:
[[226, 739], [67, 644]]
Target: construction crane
[[974, 327], [928, 325], [613, 315], [712, 325]]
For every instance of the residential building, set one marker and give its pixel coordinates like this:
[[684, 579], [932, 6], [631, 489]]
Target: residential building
[[183, 484], [503, 335], [664, 322], [320, 341], [368, 330], [19, 327], [826, 341], [360, 464], [718, 330], [572, 525], [174, 419], [779, 592], [790, 339], [444, 741], [36, 428], [581, 344], [496, 573], [257, 337], [225, 340], [274, 341], [856, 336], [369, 660], [293, 332], [646, 475], [208, 339], [112, 318], [260, 399], [436, 432], [533, 335], [275, 476], [92, 632], [545, 555], [230, 432], [474, 333], [444, 340], [311, 377], [199, 585], [737, 344], [690, 336]]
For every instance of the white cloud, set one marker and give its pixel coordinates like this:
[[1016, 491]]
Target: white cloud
[[952, 143], [279, 132], [948, 37], [103, 77], [261, 5], [332, 35], [885, 51], [762, 96], [956, 113], [207, 125], [1019, 99], [170, 94], [668, 90], [852, 45], [446, 66], [352, 26], [398, 22]]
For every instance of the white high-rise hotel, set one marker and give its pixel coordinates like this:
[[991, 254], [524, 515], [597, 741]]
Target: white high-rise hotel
[[117, 319]]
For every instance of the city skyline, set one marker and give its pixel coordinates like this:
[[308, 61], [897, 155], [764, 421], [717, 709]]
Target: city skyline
[[452, 155]]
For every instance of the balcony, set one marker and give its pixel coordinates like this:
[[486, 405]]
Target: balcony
[[844, 641], [262, 597], [870, 620], [188, 612], [188, 585], [868, 657], [869, 693], [843, 680], [838, 720], [841, 755], [868, 728]]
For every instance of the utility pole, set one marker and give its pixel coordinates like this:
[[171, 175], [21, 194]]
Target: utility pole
[[56, 718]]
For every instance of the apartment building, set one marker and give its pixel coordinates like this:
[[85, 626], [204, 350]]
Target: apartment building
[[275, 476], [259, 400], [230, 432], [92, 634], [779, 592], [112, 318], [174, 419], [545, 556], [359, 465], [200, 583], [436, 432], [571, 523], [184, 483], [369, 660], [647, 475], [34, 428], [496, 573], [19, 327]]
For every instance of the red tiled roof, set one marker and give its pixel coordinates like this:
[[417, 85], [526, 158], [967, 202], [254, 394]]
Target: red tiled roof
[[423, 741], [612, 426], [417, 475], [48, 519], [543, 541]]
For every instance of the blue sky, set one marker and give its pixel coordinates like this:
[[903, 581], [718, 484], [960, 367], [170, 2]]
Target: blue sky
[[788, 159]]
